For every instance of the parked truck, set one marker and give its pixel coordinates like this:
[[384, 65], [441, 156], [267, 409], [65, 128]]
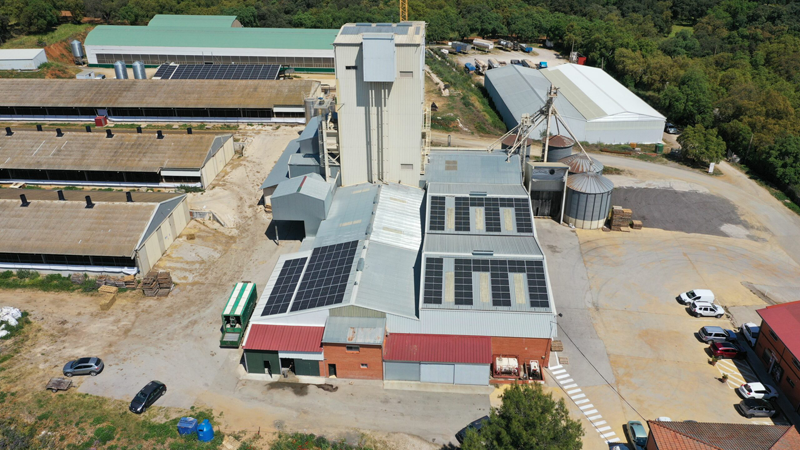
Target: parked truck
[[543, 65], [483, 44], [460, 47], [493, 64], [529, 64], [469, 68], [481, 67]]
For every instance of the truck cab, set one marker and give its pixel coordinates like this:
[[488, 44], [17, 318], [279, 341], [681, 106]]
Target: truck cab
[[236, 314]]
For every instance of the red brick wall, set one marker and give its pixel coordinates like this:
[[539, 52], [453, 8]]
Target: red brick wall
[[526, 349], [348, 364], [784, 357], [651, 443]]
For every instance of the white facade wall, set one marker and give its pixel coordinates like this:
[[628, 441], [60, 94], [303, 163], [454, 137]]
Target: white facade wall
[[93, 50], [159, 241], [380, 124], [214, 165], [18, 60]]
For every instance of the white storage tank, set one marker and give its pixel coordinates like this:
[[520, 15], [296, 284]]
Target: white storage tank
[[581, 163], [120, 70], [484, 44], [588, 200], [138, 70], [77, 51]]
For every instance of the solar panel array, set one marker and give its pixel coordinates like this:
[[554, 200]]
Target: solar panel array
[[218, 72], [491, 206], [326, 277], [499, 270], [282, 292]]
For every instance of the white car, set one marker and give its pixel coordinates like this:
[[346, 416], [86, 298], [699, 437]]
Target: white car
[[705, 309], [750, 332], [758, 390], [696, 295]]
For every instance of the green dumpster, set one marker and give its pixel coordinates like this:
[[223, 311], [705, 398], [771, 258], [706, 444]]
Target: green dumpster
[[659, 148]]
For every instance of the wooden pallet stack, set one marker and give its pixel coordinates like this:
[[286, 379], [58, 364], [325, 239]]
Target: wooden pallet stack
[[77, 278], [150, 284], [130, 281], [636, 224], [621, 218], [164, 284]]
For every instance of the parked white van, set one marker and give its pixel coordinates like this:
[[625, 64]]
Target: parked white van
[[700, 295]]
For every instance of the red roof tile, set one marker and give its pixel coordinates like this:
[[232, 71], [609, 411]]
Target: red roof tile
[[784, 320], [438, 348], [284, 338], [722, 436]]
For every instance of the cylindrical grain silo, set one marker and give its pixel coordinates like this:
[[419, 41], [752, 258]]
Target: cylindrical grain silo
[[138, 70], [121, 70], [77, 51], [588, 200], [582, 163], [559, 147]]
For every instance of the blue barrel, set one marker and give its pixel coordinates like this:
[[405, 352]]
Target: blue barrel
[[187, 425], [205, 432]]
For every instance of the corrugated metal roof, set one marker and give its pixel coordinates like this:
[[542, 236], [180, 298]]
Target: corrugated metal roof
[[465, 244], [156, 93], [476, 323], [398, 217], [125, 152], [19, 53], [283, 338], [110, 228], [559, 141], [349, 217], [490, 190], [191, 21], [581, 163], [404, 32], [211, 38], [438, 348], [354, 330], [596, 94], [589, 183], [473, 167], [280, 171], [79, 195], [311, 185], [387, 281], [784, 320], [238, 298]]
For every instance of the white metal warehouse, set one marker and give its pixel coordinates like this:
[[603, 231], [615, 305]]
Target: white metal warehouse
[[22, 58], [596, 107]]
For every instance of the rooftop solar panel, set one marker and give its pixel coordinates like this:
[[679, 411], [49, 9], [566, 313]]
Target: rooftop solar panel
[[282, 292], [326, 277], [218, 72], [433, 280], [490, 208], [437, 214]]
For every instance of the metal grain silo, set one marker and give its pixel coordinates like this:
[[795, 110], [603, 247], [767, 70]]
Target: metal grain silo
[[138, 70], [581, 163], [121, 70], [558, 148], [77, 51], [588, 200]]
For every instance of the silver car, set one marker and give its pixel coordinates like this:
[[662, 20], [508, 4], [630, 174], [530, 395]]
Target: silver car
[[754, 407], [83, 366]]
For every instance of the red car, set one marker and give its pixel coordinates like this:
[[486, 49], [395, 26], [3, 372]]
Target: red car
[[726, 350]]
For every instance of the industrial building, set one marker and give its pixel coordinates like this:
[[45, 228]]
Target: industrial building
[[596, 107], [113, 159], [22, 58], [778, 346], [88, 231], [277, 101], [430, 273], [210, 40], [380, 78]]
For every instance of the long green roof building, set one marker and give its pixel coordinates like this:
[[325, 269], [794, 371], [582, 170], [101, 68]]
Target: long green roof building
[[210, 40]]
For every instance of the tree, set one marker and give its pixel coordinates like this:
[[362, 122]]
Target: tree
[[38, 16], [784, 160], [528, 419], [702, 144]]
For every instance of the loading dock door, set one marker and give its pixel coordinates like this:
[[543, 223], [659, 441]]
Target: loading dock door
[[401, 371], [476, 374], [437, 373]]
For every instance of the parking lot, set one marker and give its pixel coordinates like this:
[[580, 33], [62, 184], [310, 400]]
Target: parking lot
[[631, 347]]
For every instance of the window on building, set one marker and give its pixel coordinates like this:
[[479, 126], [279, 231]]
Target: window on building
[[406, 74], [353, 348], [774, 336], [766, 356], [407, 166], [790, 381], [351, 67], [796, 363], [365, 366]]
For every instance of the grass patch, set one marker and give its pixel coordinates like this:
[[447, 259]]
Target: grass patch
[[610, 170], [678, 28], [61, 33], [298, 441], [31, 279], [230, 127], [127, 125], [186, 188]]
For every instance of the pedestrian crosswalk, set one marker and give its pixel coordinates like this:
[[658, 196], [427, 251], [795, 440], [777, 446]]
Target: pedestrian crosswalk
[[588, 409], [738, 374]]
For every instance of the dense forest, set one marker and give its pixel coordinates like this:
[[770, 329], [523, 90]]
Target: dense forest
[[727, 70]]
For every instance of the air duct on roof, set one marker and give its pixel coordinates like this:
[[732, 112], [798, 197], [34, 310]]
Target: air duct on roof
[[38, 128], [189, 130], [129, 197], [139, 130], [89, 204], [109, 134], [160, 134], [25, 201], [60, 195], [9, 132], [59, 133], [88, 128]]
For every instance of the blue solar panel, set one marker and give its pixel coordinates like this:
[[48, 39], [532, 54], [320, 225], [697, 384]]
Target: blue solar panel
[[218, 72], [282, 292], [326, 277]]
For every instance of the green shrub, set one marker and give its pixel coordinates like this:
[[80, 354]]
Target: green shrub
[[6, 275], [105, 434], [27, 274]]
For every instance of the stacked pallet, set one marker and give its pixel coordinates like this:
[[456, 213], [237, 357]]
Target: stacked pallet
[[620, 218], [164, 284], [157, 284], [105, 280], [77, 278], [150, 285], [130, 281], [636, 224]]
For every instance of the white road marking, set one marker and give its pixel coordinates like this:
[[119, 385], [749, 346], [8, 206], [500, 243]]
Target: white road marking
[[598, 423], [616, 439], [565, 375], [585, 407], [600, 430], [570, 380], [590, 412], [570, 386], [596, 417], [555, 367], [574, 391], [37, 148], [580, 402], [608, 435], [575, 397], [559, 371]]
